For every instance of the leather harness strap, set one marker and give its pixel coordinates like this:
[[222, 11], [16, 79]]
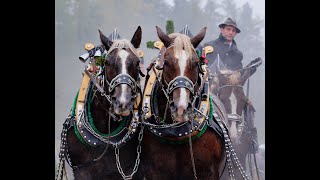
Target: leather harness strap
[[94, 81], [82, 95], [160, 61]]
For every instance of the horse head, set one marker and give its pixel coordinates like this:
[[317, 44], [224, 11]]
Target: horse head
[[228, 86], [180, 72], [122, 71]]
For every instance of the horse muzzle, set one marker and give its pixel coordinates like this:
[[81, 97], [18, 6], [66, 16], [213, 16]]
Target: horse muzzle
[[123, 107], [180, 113]]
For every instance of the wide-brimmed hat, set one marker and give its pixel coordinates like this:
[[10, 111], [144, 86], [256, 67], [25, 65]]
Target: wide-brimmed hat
[[230, 22]]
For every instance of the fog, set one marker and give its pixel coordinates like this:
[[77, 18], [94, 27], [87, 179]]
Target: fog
[[78, 21]]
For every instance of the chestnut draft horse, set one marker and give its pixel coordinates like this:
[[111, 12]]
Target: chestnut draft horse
[[99, 139], [183, 140], [227, 85]]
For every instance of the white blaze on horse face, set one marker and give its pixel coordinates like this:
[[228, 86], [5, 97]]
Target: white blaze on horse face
[[233, 101], [183, 103], [233, 131], [233, 128], [123, 56]]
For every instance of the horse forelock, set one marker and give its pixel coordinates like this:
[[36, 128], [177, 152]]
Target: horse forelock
[[234, 78], [181, 42], [123, 44]]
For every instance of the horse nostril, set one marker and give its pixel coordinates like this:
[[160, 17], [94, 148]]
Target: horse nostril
[[115, 101], [172, 107], [133, 98], [172, 103], [189, 106]]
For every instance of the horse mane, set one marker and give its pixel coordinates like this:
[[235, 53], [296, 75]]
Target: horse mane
[[234, 78], [123, 43], [181, 42]]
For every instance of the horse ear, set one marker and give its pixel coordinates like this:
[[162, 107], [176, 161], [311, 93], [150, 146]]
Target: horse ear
[[163, 37], [198, 38], [105, 41], [136, 39]]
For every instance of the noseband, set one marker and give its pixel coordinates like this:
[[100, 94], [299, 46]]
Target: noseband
[[180, 82], [227, 85], [123, 79]]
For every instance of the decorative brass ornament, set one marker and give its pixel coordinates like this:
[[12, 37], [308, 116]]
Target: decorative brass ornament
[[140, 53], [158, 44], [88, 46], [208, 49]]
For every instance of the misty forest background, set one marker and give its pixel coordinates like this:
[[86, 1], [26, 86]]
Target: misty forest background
[[78, 21]]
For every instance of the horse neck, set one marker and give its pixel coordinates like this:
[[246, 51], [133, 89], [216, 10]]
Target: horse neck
[[100, 115], [245, 75]]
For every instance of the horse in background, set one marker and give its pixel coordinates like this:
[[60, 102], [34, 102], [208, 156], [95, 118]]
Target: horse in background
[[100, 138], [179, 142], [228, 86]]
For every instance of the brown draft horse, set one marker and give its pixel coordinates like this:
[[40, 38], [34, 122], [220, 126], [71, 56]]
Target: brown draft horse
[[228, 86], [105, 145], [168, 152]]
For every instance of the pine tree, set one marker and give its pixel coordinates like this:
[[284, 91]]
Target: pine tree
[[169, 30]]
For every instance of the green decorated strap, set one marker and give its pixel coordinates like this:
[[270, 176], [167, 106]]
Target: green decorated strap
[[198, 52], [211, 109], [121, 126], [123, 122], [73, 109], [73, 114]]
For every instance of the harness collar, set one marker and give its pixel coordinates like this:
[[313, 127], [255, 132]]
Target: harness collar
[[180, 131], [84, 127], [201, 110]]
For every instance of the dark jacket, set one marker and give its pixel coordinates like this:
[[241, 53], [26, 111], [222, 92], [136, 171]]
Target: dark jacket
[[231, 57]]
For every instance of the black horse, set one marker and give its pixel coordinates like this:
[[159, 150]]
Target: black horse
[[100, 139]]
